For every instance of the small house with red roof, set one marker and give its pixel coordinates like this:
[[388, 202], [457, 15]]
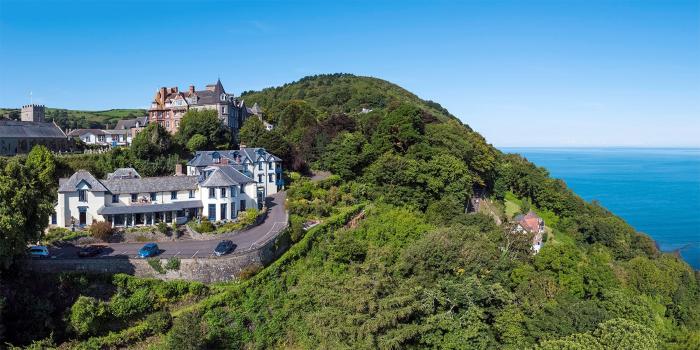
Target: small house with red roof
[[533, 224]]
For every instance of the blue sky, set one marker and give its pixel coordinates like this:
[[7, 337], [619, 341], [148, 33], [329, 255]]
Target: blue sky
[[523, 73]]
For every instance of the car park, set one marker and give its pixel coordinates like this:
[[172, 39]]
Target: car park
[[149, 250], [224, 247]]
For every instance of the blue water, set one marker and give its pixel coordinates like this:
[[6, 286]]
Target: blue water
[[655, 190]]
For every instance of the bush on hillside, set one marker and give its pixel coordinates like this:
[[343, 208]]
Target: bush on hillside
[[101, 229]]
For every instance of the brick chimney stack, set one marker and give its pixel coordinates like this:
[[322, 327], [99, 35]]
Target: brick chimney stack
[[192, 89], [179, 170]]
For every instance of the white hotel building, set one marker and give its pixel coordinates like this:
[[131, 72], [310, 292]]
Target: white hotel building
[[218, 185]]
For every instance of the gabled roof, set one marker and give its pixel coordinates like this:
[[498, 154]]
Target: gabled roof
[[151, 184], [81, 132], [225, 175], [124, 173], [530, 222], [125, 124], [70, 184], [205, 158], [20, 129]]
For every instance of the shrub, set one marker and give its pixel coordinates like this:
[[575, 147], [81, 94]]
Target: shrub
[[187, 332], [205, 226], [86, 315], [122, 306], [162, 227], [101, 230], [57, 234], [249, 272], [296, 229], [173, 264], [159, 321], [156, 265]]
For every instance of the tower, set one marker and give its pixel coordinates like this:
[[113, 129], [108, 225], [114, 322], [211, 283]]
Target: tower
[[32, 113]]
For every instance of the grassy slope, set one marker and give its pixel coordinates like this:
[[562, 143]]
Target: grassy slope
[[86, 119]]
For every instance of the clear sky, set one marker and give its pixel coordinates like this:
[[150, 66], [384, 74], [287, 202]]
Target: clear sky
[[523, 73]]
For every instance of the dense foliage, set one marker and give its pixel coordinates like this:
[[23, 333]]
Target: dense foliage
[[397, 263]]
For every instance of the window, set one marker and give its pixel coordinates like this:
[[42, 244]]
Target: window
[[223, 192], [260, 166], [82, 196], [223, 211], [270, 165], [167, 124], [270, 177], [153, 196], [133, 197], [191, 193], [177, 123], [173, 195], [54, 218], [233, 191], [115, 198], [223, 109], [212, 193], [260, 178], [242, 187], [233, 210], [212, 212]]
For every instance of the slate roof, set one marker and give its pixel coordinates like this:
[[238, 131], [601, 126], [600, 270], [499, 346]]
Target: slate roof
[[125, 124], [20, 129], [151, 184], [81, 132], [148, 208], [69, 184], [225, 175], [205, 158], [124, 173]]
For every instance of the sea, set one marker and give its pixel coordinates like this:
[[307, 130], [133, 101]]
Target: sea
[[656, 190]]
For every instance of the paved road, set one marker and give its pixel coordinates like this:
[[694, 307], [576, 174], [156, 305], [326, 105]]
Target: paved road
[[275, 222]]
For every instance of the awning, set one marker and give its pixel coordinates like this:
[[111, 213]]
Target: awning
[[148, 208]]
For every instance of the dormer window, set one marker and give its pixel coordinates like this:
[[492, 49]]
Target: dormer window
[[82, 196]]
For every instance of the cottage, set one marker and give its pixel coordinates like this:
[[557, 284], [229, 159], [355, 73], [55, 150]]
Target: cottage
[[533, 224], [107, 137]]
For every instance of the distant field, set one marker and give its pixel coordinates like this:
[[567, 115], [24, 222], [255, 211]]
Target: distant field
[[74, 119]]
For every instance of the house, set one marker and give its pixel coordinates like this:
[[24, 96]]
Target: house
[[18, 137], [256, 163], [169, 105], [256, 111], [533, 224], [217, 187], [134, 126], [107, 137]]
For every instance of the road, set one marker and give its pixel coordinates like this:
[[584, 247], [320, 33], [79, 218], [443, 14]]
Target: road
[[275, 222]]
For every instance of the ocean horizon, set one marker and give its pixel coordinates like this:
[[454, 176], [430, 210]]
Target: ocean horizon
[[654, 189]]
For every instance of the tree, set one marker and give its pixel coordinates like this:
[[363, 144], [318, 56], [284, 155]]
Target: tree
[[87, 314], [26, 201], [251, 131], [197, 142], [151, 143], [206, 123]]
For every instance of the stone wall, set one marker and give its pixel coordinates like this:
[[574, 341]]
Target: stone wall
[[207, 270]]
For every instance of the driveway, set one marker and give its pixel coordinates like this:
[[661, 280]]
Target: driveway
[[276, 221]]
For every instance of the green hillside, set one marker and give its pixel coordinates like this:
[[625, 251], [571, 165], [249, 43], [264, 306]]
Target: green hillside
[[413, 271], [73, 119]]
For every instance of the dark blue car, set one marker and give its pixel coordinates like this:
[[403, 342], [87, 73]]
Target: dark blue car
[[148, 250]]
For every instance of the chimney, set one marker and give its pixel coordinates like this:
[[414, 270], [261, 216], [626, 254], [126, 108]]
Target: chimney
[[179, 170], [162, 94], [224, 160], [192, 89], [241, 146]]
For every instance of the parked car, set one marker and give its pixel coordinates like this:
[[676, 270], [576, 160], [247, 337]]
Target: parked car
[[148, 250], [224, 247], [39, 251], [89, 251]]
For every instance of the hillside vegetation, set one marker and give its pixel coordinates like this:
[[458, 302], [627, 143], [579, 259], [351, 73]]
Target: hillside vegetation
[[73, 119], [413, 270]]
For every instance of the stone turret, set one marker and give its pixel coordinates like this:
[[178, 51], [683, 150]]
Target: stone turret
[[33, 113]]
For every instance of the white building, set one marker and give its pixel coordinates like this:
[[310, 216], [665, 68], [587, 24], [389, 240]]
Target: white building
[[125, 198], [258, 164], [107, 137]]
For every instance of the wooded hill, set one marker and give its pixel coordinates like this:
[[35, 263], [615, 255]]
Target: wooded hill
[[414, 271]]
